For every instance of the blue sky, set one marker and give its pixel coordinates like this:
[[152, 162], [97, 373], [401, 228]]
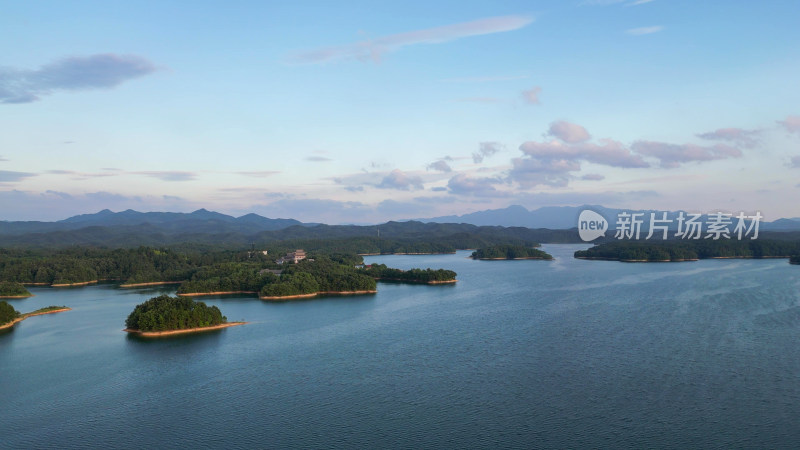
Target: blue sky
[[357, 112]]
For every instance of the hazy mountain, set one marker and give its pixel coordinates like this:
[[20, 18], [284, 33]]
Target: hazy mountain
[[552, 217], [200, 221], [566, 217]]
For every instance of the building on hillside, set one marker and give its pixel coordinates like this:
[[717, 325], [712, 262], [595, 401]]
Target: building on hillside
[[293, 257]]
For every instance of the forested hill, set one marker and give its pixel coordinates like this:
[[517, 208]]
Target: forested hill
[[635, 251], [200, 221], [391, 237]]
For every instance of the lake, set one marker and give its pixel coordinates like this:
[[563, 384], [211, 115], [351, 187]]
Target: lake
[[517, 354]]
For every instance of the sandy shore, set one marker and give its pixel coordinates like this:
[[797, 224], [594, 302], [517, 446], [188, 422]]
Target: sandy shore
[[290, 297], [401, 280], [512, 259], [85, 283], [151, 283], [388, 254], [599, 258], [15, 296], [184, 331], [199, 294], [25, 316]]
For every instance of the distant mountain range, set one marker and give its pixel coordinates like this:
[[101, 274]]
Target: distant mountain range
[[207, 228], [566, 217], [200, 221], [133, 228]]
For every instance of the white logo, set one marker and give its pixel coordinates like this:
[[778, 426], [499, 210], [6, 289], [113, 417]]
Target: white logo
[[591, 225]]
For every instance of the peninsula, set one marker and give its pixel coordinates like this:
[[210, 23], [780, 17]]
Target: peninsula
[[10, 316]]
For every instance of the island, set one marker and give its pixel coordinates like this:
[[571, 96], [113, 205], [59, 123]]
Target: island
[[428, 276], [12, 289], [504, 252], [689, 250], [165, 315], [10, 316], [794, 259]]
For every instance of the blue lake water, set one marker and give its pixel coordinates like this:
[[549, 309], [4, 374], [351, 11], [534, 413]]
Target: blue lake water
[[521, 354]]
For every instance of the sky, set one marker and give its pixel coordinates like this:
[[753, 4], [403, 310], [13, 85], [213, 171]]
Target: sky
[[363, 112]]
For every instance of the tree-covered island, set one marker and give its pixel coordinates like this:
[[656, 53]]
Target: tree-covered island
[[165, 315], [692, 250], [12, 289], [500, 252], [427, 276], [794, 259], [10, 316]]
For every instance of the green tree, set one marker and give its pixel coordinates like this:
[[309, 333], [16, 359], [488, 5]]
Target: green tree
[[7, 313]]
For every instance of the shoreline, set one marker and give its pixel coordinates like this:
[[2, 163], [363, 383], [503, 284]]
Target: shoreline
[[149, 283], [200, 294], [183, 331], [389, 254], [512, 259], [601, 258], [290, 297], [82, 283], [13, 297], [31, 314], [400, 280]]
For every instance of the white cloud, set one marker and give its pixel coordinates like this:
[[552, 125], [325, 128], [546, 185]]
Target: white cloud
[[168, 175], [484, 79], [463, 184], [531, 96], [568, 132], [644, 30], [10, 176], [791, 124], [71, 74], [485, 150], [440, 165], [397, 179], [673, 155], [374, 49], [738, 136]]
